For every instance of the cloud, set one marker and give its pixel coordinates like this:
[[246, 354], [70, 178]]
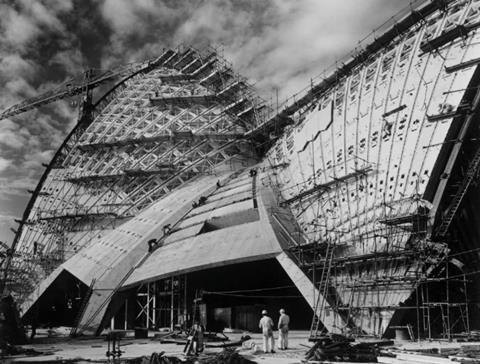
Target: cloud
[[128, 17], [19, 187], [286, 43], [143, 27], [71, 60], [4, 164], [7, 217], [25, 22], [10, 135], [276, 44], [18, 29], [34, 160], [15, 64]]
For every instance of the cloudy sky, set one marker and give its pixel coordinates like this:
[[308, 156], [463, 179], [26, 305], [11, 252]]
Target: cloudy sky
[[278, 44]]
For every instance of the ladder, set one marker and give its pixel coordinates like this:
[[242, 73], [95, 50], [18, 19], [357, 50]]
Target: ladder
[[410, 332], [81, 309], [458, 197], [445, 321], [351, 302], [464, 317], [323, 290]]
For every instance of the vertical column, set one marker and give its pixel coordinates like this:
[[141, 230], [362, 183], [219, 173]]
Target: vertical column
[[171, 303], [447, 273], [428, 314], [125, 324], [154, 305], [466, 304], [147, 309], [185, 314]]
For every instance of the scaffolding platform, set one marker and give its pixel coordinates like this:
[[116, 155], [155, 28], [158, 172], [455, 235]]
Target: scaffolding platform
[[165, 101]]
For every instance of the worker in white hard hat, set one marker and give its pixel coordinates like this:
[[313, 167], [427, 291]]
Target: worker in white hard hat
[[283, 323], [266, 324]]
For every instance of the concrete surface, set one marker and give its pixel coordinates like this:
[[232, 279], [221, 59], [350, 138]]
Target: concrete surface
[[93, 349]]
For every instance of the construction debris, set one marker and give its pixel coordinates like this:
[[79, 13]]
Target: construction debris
[[227, 356], [181, 338], [465, 354], [11, 350], [340, 348], [223, 344], [156, 358]]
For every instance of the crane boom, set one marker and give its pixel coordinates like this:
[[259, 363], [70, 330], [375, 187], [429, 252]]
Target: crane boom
[[75, 88]]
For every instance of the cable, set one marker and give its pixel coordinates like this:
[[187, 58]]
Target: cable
[[246, 296], [250, 290]]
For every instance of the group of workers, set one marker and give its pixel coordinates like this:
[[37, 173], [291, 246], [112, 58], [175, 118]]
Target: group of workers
[[267, 325], [195, 343]]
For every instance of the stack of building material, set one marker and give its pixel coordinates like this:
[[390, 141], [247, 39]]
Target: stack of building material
[[467, 353], [338, 348], [462, 356], [227, 356]]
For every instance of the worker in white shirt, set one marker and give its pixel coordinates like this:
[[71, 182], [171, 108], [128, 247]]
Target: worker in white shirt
[[266, 324], [283, 323]]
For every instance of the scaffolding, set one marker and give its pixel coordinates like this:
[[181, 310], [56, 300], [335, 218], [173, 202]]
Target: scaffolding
[[162, 303], [170, 119], [402, 273], [414, 272]]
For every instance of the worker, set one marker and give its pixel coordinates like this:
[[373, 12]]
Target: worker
[[197, 334], [35, 314], [52, 317], [266, 324], [152, 243], [167, 229], [283, 322], [387, 128]]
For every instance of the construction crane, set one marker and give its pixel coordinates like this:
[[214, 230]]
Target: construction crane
[[79, 85], [82, 85]]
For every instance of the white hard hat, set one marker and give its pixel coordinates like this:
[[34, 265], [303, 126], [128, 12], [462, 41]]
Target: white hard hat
[[282, 310], [264, 312]]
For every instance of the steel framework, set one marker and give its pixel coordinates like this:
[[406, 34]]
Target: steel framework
[[183, 114]]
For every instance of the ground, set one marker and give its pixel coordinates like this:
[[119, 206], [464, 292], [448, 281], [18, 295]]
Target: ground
[[93, 349], [59, 348]]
